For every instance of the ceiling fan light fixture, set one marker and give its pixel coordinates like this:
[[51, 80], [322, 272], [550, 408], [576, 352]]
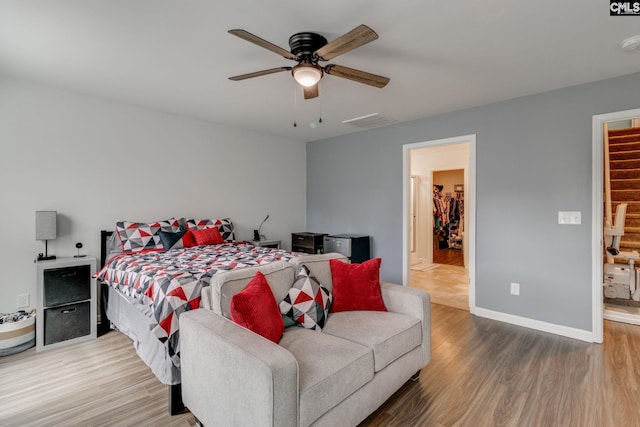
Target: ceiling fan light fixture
[[307, 74]]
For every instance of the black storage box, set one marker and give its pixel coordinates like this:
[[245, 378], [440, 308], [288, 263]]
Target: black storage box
[[67, 322], [67, 284]]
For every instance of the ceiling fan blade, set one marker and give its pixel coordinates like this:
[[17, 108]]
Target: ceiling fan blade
[[357, 37], [245, 35], [259, 73], [357, 75], [310, 91]]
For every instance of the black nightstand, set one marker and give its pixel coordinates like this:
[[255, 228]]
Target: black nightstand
[[275, 244], [310, 243]]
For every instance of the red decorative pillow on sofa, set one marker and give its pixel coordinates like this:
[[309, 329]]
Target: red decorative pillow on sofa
[[207, 236], [356, 286], [256, 309]]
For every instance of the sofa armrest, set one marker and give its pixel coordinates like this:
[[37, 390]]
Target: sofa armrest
[[232, 376], [414, 302]]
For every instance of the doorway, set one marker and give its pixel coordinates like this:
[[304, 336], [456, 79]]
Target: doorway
[[601, 311], [621, 159], [448, 215], [439, 245]]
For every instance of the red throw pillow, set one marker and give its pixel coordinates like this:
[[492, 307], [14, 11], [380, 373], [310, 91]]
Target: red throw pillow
[[208, 236], [256, 309], [187, 239], [356, 286]]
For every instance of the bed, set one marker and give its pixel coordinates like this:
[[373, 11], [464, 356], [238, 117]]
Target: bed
[[148, 280]]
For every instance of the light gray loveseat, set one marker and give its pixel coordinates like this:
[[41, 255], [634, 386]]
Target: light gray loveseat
[[234, 377]]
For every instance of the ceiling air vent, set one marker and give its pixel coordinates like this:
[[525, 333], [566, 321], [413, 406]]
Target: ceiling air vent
[[369, 121]]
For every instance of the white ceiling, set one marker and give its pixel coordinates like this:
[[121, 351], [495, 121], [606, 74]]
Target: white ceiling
[[176, 56]]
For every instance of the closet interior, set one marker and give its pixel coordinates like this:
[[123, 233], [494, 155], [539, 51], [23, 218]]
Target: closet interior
[[448, 212]]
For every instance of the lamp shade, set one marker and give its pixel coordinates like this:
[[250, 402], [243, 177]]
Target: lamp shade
[[307, 74], [46, 222]]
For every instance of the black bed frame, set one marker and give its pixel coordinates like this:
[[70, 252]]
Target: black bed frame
[[176, 406]]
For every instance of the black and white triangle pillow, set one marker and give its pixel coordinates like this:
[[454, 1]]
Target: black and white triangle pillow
[[307, 302]]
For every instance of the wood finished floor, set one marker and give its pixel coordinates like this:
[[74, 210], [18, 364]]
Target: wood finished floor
[[487, 373], [448, 256], [446, 284], [482, 373], [446, 279], [97, 383]]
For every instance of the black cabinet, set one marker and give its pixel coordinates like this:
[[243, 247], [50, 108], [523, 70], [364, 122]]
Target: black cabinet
[[66, 301], [66, 284], [66, 322], [310, 243], [353, 246]]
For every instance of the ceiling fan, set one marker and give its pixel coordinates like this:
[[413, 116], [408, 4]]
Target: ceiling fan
[[308, 49]]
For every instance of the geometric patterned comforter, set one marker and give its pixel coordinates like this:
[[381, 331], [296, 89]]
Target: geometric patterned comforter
[[171, 282]]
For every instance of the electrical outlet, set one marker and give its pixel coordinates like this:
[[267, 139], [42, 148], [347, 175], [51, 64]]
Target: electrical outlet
[[515, 288], [22, 301]]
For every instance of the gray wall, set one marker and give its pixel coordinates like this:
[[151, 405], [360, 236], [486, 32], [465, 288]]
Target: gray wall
[[533, 159]]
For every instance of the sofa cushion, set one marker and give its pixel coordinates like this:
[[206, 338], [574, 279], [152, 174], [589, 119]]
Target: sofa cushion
[[256, 309], [329, 369], [307, 302], [222, 286], [389, 335], [318, 265], [356, 286]]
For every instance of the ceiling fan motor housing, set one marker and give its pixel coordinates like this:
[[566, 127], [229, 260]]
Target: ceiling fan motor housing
[[303, 45]]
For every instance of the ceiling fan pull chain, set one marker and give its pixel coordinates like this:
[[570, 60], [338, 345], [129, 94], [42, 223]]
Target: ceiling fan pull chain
[[295, 106]]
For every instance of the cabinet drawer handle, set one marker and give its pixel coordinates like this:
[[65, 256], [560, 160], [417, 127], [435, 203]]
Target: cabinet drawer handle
[[68, 310]]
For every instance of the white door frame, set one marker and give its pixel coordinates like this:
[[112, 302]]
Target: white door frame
[[597, 243], [413, 214], [470, 207]]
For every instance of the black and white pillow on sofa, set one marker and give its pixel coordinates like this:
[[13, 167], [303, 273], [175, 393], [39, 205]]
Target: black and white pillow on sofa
[[307, 302]]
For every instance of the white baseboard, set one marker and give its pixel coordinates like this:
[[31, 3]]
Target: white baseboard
[[538, 325], [625, 316]]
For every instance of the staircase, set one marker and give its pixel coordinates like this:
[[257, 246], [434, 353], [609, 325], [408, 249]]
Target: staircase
[[624, 164]]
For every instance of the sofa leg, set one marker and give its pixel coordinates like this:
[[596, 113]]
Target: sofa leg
[[415, 376]]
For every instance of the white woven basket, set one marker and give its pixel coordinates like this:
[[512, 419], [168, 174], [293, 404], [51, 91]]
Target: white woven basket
[[17, 336]]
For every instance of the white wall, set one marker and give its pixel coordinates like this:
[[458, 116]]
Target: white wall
[[97, 162], [446, 157]]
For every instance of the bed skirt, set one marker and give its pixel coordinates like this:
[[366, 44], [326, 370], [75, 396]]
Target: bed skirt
[[134, 320]]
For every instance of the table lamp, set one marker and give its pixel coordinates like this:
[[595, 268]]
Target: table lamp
[[46, 222]]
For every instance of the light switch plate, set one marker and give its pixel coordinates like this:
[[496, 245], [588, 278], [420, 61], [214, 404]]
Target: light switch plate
[[570, 217]]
